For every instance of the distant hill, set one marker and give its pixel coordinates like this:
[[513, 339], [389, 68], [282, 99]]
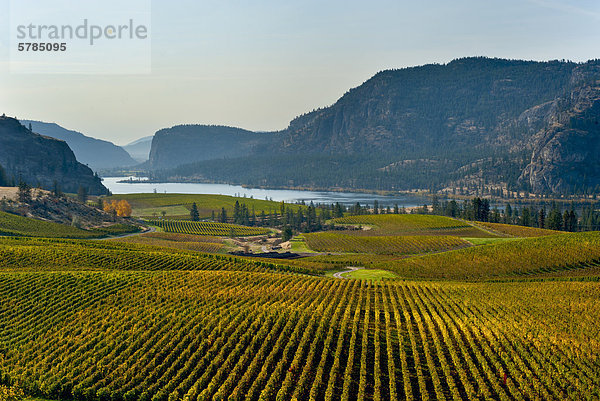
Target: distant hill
[[139, 150], [42, 160], [475, 123], [183, 144], [96, 153]]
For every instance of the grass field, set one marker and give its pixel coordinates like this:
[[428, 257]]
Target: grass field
[[410, 224], [299, 245], [370, 274], [13, 225], [178, 205]]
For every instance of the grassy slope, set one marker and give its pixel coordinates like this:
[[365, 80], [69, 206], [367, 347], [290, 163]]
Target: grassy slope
[[179, 204], [370, 274]]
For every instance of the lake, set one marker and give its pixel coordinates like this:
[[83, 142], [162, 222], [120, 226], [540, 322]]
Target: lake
[[286, 195]]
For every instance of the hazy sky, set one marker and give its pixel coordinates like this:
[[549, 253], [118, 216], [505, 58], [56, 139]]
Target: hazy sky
[[258, 64]]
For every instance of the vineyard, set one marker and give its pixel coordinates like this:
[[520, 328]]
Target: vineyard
[[49, 255], [390, 245], [517, 231], [208, 228], [164, 316], [13, 225], [566, 253], [410, 224], [177, 241], [224, 335]]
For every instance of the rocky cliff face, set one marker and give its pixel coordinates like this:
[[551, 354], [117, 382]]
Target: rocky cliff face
[[470, 123], [183, 144], [41, 160], [566, 152], [469, 102]]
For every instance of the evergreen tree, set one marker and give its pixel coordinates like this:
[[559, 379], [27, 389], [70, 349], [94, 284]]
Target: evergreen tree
[[555, 219], [287, 233], [435, 204], [526, 217], [56, 191], [3, 178], [542, 218], [82, 194], [263, 218], [194, 215], [24, 193], [508, 212]]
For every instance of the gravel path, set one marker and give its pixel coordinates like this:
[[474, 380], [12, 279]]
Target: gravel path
[[350, 269], [150, 230]]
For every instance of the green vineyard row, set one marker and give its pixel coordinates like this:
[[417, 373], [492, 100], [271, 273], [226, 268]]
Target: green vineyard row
[[388, 245], [222, 335], [208, 228], [410, 224], [46, 254], [13, 225]]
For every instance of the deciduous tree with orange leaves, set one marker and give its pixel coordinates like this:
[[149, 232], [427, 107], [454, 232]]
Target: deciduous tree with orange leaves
[[121, 208]]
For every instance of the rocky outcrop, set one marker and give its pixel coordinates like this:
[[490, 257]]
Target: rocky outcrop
[[43, 161], [183, 144], [566, 153]]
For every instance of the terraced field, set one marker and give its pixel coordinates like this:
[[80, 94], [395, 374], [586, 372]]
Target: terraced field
[[201, 335], [410, 224], [387, 245], [208, 228]]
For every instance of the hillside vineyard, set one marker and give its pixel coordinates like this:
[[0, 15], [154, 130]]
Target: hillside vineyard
[[199, 335]]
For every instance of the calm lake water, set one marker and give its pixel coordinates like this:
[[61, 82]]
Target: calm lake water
[[286, 195]]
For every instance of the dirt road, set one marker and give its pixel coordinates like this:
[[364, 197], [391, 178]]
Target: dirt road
[[350, 269]]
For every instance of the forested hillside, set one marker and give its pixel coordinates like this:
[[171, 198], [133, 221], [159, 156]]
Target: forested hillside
[[471, 123]]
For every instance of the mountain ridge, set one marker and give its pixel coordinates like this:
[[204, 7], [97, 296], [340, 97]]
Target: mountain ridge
[[98, 154], [42, 160], [472, 123]]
